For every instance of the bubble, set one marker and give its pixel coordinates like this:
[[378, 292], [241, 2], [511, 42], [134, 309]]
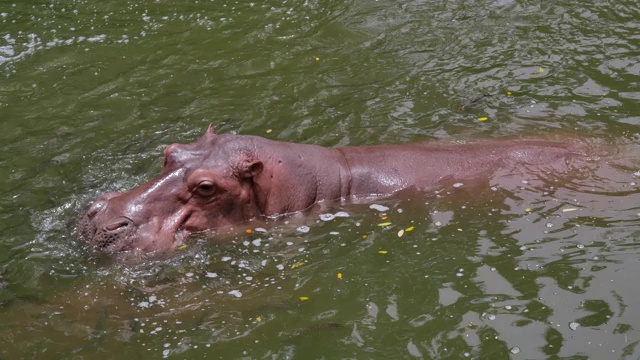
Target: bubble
[[378, 207], [327, 217]]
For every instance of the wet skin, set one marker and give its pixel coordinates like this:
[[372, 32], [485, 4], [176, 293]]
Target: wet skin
[[222, 180]]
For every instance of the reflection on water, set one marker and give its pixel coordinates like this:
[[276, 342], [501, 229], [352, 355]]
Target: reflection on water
[[92, 91]]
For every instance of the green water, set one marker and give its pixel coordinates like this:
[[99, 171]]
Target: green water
[[92, 91]]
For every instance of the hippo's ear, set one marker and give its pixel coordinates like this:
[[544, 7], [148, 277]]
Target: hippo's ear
[[249, 169]]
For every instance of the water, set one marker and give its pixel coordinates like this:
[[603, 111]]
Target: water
[[92, 91]]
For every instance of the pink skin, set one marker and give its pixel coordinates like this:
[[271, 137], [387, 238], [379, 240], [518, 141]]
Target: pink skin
[[222, 180]]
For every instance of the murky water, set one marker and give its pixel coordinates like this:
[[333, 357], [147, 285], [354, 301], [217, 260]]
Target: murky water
[[92, 91]]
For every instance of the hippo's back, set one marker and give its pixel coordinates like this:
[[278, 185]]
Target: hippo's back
[[388, 168]]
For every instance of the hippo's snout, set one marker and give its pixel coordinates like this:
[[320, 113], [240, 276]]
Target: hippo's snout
[[115, 232], [106, 232]]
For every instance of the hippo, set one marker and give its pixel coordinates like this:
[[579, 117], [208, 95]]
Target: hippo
[[223, 180]]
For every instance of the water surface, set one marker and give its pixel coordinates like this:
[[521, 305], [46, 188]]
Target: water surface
[[92, 91]]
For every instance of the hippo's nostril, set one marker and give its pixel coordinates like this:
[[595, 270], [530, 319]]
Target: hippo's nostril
[[115, 226], [94, 210]]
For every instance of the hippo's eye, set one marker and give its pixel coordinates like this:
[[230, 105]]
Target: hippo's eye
[[206, 188]]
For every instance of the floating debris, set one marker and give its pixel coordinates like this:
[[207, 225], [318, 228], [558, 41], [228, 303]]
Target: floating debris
[[457, 185], [296, 264], [303, 229], [569, 209], [573, 325], [211, 275], [235, 293], [400, 233], [515, 350], [385, 224], [303, 298], [382, 252], [339, 275]]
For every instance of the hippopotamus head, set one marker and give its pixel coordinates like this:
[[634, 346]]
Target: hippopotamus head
[[204, 185]]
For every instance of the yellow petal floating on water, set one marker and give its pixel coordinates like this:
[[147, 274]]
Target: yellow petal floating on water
[[296, 264], [269, 131], [249, 231], [258, 319], [365, 236], [182, 247], [410, 228], [339, 275], [459, 229], [400, 233], [484, 118], [384, 218], [540, 69], [384, 224], [304, 298], [317, 58], [527, 210], [382, 252], [508, 92]]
